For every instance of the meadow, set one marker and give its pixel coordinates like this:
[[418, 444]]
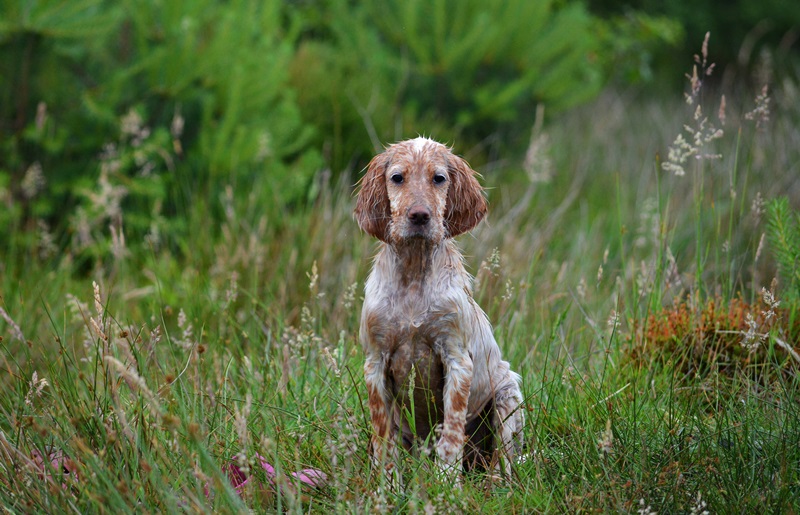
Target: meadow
[[644, 285]]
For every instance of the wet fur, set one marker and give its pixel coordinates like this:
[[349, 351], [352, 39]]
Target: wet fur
[[419, 315]]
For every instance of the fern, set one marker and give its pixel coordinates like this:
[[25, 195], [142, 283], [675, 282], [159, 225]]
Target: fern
[[783, 233]]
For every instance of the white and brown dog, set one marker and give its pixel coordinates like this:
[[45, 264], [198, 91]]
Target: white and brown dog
[[419, 315]]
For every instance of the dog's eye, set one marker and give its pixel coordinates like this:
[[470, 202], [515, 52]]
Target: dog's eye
[[439, 178], [397, 178]]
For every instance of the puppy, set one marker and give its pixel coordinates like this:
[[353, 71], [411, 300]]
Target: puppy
[[429, 348]]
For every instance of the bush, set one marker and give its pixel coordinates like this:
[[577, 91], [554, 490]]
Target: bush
[[783, 231], [152, 108], [460, 71], [204, 81]]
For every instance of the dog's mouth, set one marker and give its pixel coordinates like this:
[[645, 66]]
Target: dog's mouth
[[417, 232], [409, 232]]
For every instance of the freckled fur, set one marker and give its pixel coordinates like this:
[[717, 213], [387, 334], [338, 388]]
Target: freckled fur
[[419, 311]]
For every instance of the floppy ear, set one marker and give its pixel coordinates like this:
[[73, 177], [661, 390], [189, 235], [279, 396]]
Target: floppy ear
[[466, 206], [372, 211]]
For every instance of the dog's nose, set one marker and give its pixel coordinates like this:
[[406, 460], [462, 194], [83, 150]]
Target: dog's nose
[[419, 216]]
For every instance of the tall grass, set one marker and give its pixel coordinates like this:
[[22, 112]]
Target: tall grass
[[138, 382]]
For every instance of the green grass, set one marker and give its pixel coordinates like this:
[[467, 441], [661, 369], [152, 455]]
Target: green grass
[[241, 337]]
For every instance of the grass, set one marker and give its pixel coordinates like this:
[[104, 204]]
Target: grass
[[143, 376]]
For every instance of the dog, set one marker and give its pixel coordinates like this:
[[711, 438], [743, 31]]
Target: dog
[[429, 348]]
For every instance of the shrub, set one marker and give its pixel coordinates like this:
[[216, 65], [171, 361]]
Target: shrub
[[459, 70], [783, 230], [205, 79]]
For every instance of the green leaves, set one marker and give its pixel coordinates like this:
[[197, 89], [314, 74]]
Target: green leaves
[[54, 19], [783, 233], [482, 63]]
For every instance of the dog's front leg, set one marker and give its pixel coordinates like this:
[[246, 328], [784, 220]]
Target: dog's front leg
[[384, 434], [508, 422], [458, 380]]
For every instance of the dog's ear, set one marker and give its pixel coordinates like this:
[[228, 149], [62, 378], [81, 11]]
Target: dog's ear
[[466, 205], [372, 211]]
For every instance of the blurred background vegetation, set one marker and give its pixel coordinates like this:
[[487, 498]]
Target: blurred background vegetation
[[153, 108], [177, 244]]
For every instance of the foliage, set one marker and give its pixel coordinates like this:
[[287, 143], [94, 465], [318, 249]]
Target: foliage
[[719, 337], [200, 114], [182, 100], [747, 36], [461, 70], [245, 343], [783, 229], [635, 43], [178, 302]]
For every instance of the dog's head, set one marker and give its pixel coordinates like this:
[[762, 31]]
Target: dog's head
[[419, 189]]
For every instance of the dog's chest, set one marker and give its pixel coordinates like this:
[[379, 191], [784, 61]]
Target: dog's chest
[[409, 316], [410, 326]]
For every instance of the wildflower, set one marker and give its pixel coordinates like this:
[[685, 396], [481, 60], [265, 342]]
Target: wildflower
[[613, 320], [118, 249], [326, 353], [702, 133], [108, 198], [412, 383], [648, 229], [581, 288], [492, 263], [761, 112], [606, 442], [313, 278], [35, 387], [350, 296], [307, 320], [509, 293], [695, 80], [176, 127], [82, 229], [489, 266], [233, 289], [47, 244], [771, 302], [131, 123], [699, 506], [644, 279], [98, 302], [752, 338], [672, 275], [600, 268], [757, 207], [33, 181], [677, 156], [187, 336], [645, 509], [155, 336]]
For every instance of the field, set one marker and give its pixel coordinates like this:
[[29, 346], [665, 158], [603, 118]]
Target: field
[[643, 288]]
